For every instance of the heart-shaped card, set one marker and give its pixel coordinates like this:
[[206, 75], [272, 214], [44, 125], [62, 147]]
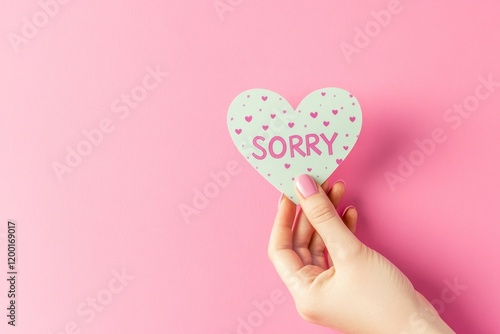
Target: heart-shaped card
[[282, 143]]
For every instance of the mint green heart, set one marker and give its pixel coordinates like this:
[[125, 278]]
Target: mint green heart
[[282, 143]]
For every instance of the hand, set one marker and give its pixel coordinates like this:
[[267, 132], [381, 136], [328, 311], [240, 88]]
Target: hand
[[335, 280]]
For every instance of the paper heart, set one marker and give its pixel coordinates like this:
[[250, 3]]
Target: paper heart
[[281, 142]]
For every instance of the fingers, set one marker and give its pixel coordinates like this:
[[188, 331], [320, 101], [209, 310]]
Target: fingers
[[293, 246], [303, 232], [338, 190], [317, 246], [307, 243], [317, 251], [323, 216], [280, 252], [350, 218]]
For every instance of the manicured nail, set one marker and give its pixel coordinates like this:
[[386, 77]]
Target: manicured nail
[[349, 207], [306, 185], [331, 183], [279, 201], [329, 186]]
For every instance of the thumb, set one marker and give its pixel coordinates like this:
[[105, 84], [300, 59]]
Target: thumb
[[323, 216]]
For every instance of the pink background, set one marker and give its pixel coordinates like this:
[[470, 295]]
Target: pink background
[[119, 209]]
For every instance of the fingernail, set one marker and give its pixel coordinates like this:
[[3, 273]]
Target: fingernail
[[330, 185], [345, 210], [306, 185], [279, 200]]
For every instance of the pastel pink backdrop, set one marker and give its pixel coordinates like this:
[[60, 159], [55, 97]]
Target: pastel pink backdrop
[[119, 209]]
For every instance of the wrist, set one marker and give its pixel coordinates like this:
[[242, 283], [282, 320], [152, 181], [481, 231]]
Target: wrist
[[426, 320]]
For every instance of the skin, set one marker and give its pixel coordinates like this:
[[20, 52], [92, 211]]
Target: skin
[[338, 282]]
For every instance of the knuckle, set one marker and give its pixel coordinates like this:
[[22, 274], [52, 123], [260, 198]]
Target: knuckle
[[321, 212], [356, 248], [353, 250]]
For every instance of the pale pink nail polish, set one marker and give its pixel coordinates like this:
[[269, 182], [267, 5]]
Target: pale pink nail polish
[[279, 200], [306, 185], [349, 207], [330, 186]]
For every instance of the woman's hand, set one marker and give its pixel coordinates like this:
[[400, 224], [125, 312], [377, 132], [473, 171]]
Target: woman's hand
[[336, 280]]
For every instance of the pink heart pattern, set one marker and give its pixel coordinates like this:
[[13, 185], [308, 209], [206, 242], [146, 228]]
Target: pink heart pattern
[[281, 142]]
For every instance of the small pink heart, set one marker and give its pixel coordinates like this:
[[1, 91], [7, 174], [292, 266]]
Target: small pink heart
[[309, 128], [352, 119]]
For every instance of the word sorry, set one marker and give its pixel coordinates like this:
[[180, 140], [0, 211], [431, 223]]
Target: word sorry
[[294, 144]]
